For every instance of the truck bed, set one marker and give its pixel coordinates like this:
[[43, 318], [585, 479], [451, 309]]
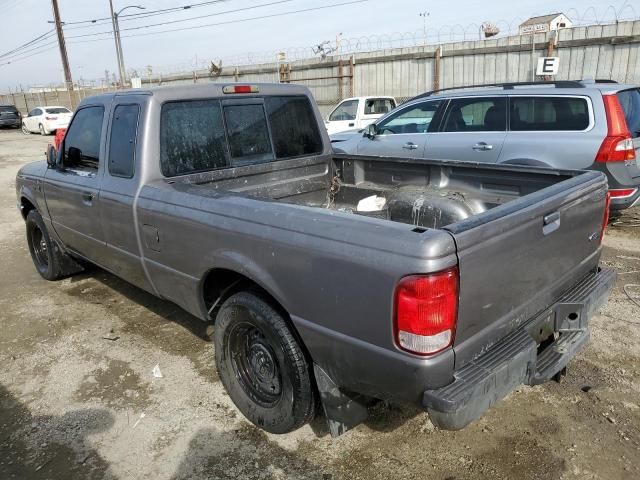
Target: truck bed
[[514, 227]]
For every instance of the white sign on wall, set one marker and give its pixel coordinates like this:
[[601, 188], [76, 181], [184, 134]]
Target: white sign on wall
[[548, 66], [136, 82]]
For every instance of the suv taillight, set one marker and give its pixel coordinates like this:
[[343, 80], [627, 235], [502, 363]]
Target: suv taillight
[[618, 144], [426, 312]]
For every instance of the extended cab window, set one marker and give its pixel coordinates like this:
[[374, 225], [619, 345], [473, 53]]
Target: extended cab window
[[345, 111], [82, 140], [191, 137], [294, 127], [476, 114], [122, 142], [414, 119], [548, 113], [248, 134]]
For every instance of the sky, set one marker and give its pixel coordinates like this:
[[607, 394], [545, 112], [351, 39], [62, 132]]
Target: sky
[[242, 28]]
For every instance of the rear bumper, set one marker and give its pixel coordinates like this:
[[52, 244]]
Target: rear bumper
[[515, 360], [10, 122]]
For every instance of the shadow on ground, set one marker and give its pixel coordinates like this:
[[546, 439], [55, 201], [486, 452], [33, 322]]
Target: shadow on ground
[[34, 447]]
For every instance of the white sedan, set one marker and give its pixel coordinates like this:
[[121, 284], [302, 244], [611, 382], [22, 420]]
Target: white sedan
[[46, 120]]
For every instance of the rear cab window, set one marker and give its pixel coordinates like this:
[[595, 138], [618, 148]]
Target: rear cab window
[[378, 106], [552, 113], [203, 135], [630, 103]]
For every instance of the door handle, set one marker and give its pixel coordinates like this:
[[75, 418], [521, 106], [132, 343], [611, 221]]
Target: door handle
[[352, 124], [410, 146], [550, 223], [87, 198], [482, 147]]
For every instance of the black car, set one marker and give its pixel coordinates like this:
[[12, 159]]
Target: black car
[[10, 116]]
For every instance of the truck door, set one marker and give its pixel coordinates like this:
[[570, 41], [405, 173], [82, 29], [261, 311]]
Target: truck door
[[119, 186], [344, 116], [473, 129], [72, 189], [404, 133]]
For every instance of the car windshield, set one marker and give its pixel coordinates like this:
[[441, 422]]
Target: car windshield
[[8, 108], [57, 110]]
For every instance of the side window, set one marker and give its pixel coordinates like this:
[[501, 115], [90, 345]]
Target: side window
[[34, 112], [414, 119], [378, 106], [122, 141], [82, 140], [293, 138], [481, 114], [345, 111], [248, 134], [548, 113], [191, 137]]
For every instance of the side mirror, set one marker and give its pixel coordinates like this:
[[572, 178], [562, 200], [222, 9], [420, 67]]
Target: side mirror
[[52, 156], [371, 131], [73, 156]]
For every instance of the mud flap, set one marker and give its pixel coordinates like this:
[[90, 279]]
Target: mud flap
[[342, 410]]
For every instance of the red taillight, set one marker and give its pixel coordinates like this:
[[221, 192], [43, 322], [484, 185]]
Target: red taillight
[[618, 144], [426, 311], [51, 118], [240, 89], [623, 192], [605, 219]]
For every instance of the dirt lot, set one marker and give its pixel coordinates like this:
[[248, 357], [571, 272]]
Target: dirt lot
[[78, 398]]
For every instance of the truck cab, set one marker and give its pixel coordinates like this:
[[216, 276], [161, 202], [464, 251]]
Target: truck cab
[[358, 112]]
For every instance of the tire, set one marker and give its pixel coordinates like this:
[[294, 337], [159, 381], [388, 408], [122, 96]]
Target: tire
[[25, 130], [50, 262], [42, 130], [262, 366]]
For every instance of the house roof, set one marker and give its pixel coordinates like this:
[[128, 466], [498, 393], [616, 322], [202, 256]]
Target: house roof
[[540, 19]]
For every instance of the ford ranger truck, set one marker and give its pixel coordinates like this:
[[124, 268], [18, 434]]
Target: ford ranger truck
[[332, 281]]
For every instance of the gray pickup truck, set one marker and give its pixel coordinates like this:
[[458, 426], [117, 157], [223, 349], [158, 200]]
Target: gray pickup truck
[[332, 280]]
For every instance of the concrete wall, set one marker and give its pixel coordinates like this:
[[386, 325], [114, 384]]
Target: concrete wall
[[598, 51]]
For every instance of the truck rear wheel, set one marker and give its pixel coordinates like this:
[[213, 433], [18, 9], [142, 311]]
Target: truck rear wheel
[[50, 262], [262, 366]]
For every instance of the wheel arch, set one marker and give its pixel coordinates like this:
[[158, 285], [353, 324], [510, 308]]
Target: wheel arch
[[220, 283], [26, 205]]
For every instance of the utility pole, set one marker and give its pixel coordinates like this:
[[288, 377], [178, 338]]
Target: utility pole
[[116, 37], [424, 16], [63, 48]]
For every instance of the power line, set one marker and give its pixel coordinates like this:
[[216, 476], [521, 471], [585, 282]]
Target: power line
[[30, 42], [149, 13], [170, 22], [241, 20]]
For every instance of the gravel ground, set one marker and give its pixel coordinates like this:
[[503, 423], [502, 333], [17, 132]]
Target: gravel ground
[[78, 398]]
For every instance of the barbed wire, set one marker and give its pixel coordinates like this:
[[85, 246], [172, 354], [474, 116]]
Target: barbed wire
[[590, 16]]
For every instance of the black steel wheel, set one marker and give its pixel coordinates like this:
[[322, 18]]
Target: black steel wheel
[[262, 366], [50, 262]]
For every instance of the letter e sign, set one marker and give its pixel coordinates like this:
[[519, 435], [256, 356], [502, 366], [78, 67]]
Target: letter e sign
[[548, 66]]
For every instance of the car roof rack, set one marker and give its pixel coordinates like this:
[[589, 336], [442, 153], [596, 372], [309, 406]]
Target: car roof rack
[[507, 86], [591, 81]]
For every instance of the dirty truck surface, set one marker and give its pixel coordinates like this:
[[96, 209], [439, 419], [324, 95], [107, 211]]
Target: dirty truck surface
[[79, 398]]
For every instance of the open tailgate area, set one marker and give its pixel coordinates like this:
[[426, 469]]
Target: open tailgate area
[[516, 259]]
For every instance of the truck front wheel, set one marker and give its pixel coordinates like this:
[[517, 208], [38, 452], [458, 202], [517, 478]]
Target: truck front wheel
[[261, 365], [49, 260]]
